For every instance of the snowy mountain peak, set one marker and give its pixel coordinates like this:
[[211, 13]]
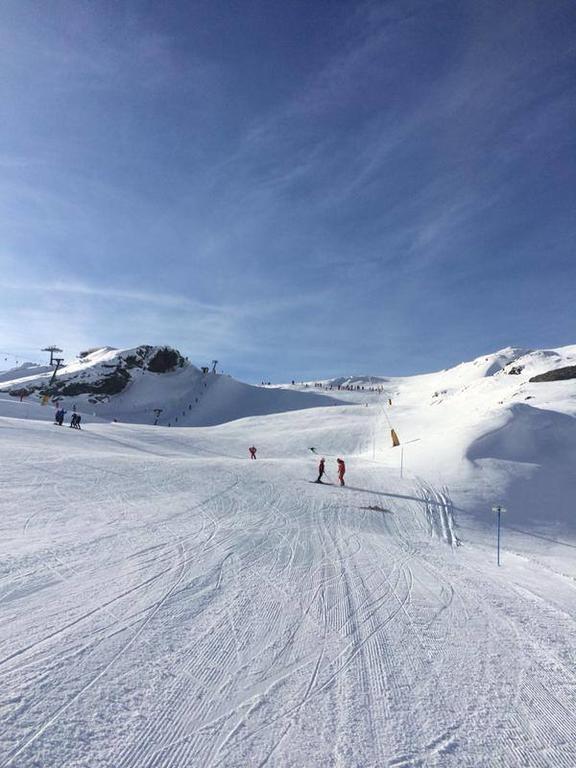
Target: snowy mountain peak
[[97, 373], [157, 359]]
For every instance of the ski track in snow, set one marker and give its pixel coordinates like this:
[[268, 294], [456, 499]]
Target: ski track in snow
[[165, 607]]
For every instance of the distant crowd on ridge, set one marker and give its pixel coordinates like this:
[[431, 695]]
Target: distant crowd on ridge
[[330, 387]]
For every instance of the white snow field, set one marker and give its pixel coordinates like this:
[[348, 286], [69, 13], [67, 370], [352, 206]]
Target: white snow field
[[165, 601]]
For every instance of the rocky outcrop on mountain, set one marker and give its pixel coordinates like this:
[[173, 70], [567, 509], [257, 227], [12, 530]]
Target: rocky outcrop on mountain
[[557, 374], [102, 372]]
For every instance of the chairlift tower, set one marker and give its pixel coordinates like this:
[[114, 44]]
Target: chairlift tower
[[58, 361], [52, 349], [214, 364]]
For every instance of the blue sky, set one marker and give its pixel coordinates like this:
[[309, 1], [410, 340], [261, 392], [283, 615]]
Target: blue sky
[[299, 189]]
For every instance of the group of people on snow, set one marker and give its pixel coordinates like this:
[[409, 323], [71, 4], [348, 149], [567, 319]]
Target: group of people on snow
[[74, 420], [340, 469], [59, 416]]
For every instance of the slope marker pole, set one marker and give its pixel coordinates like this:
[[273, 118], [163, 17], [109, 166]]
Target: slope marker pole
[[498, 509]]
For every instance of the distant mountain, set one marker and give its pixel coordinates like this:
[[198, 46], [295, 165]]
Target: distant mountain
[[148, 385], [24, 370]]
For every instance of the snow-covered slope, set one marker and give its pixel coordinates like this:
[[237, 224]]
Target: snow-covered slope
[[485, 430], [493, 435], [165, 601]]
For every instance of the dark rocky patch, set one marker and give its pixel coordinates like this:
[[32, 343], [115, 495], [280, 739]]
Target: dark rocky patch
[[110, 384], [558, 374], [165, 360]]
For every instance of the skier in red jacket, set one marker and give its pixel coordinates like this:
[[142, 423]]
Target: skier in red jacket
[[341, 470]]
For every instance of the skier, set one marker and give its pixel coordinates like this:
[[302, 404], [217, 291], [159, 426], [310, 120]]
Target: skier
[[321, 470], [73, 421], [78, 420], [341, 470], [252, 452]]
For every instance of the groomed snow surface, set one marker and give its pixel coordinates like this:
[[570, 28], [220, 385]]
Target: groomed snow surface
[[165, 601]]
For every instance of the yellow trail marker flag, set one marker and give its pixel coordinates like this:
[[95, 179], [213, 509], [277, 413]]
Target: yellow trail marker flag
[[395, 441]]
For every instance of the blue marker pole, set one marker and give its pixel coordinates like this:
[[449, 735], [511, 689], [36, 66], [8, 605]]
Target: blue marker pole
[[498, 511], [498, 556]]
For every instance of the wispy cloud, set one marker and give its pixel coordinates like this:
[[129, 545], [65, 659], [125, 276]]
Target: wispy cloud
[[163, 180], [79, 315]]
